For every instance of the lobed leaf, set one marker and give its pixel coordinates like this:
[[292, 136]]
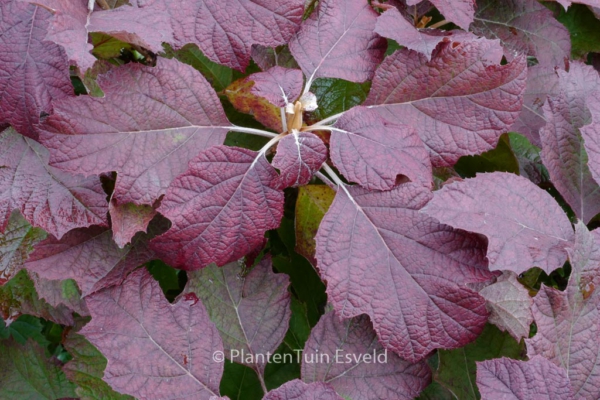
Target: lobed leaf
[[591, 137], [128, 219], [278, 85], [154, 349], [382, 257], [458, 11], [299, 156]]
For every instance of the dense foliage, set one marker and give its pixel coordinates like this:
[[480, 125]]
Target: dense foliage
[[334, 199]]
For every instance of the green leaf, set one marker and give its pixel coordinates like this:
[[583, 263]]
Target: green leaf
[[26, 373], [107, 47], [335, 96], [285, 369], [26, 327], [218, 75], [435, 391], [312, 204], [299, 329], [584, 29], [240, 382], [501, 158], [457, 367], [86, 370], [168, 278]]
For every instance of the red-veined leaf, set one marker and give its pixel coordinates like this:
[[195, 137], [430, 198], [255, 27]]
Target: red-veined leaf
[[278, 85], [128, 219]]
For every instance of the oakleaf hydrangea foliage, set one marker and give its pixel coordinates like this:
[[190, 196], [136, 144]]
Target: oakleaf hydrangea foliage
[[332, 199]]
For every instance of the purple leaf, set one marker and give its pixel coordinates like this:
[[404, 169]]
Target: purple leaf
[[150, 123], [524, 27], [338, 41], [562, 145], [252, 313], [568, 323], [267, 57], [458, 11], [16, 243], [524, 225], [60, 292], [220, 208], [226, 30], [298, 390], [509, 305], [154, 349], [459, 103], [128, 219], [507, 379], [34, 72], [348, 356], [567, 3], [393, 25], [72, 22], [278, 85], [541, 83], [591, 137], [47, 197], [90, 257], [299, 156], [380, 256], [372, 150]]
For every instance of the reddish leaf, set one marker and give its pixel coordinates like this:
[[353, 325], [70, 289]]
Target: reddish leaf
[[568, 323], [541, 83], [458, 11], [459, 103], [563, 150], [154, 349], [278, 85], [34, 72], [73, 22], [509, 305], [525, 227], [524, 27], [47, 197], [252, 313], [591, 136], [504, 378], [127, 220], [299, 156], [348, 356], [393, 25], [266, 57], [381, 256], [90, 257], [338, 41], [372, 150], [147, 127], [60, 292], [16, 243], [298, 390], [240, 94], [567, 3], [220, 208], [226, 30]]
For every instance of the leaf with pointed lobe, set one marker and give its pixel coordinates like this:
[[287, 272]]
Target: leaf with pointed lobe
[[541, 82], [47, 197], [312, 204], [27, 373], [508, 379], [356, 365], [90, 257], [591, 137], [241, 95], [16, 243], [458, 11], [509, 305], [372, 150], [128, 219], [60, 292], [338, 41], [34, 71], [299, 156], [563, 151], [391, 24], [154, 349], [568, 323], [298, 390], [381, 256], [226, 31], [150, 123], [524, 225], [86, 370], [524, 27], [459, 103], [72, 22], [251, 312], [278, 85], [219, 209]]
